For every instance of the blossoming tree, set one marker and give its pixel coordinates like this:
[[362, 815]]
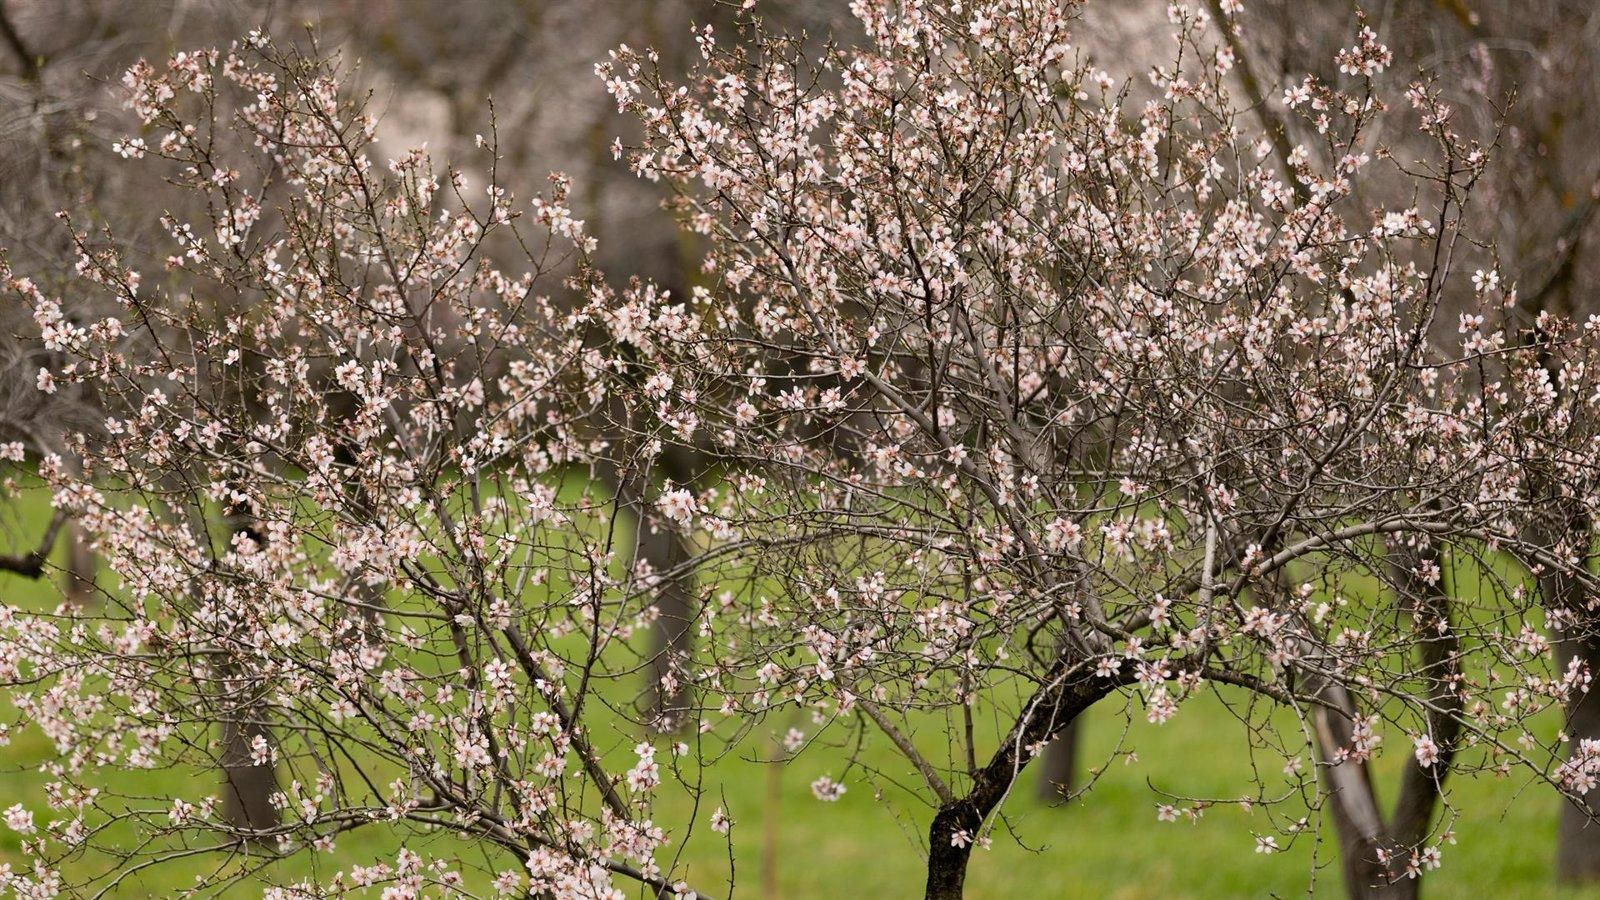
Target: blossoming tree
[[342, 486], [1013, 389], [1039, 394]]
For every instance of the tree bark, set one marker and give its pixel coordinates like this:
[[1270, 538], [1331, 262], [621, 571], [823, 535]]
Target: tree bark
[[1375, 853], [247, 788], [671, 641], [1578, 833], [81, 566], [1366, 879], [667, 698], [1578, 830], [958, 823]]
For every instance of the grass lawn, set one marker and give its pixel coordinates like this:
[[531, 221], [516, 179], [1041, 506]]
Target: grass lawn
[[1108, 844]]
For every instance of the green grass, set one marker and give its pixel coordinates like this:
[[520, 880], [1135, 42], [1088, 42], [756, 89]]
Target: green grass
[[1108, 844]]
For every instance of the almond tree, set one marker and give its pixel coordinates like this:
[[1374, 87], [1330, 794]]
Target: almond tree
[[342, 485], [1527, 72], [1014, 393], [1099, 397]]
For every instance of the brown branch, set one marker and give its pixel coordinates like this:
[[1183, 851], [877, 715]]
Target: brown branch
[[929, 774], [31, 565], [31, 63]]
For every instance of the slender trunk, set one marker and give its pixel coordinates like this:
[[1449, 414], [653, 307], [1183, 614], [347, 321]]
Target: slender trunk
[[769, 823], [1352, 801], [1365, 878], [247, 788], [1578, 833], [1377, 853], [1059, 767], [671, 640], [667, 697], [958, 823], [81, 565]]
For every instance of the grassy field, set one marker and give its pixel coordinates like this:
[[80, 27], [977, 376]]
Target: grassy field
[[1108, 844]]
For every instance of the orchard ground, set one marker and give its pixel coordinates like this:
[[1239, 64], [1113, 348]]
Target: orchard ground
[[1106, 844]]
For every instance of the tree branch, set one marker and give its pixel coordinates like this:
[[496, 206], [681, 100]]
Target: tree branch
[[31, 565], [30, 61]]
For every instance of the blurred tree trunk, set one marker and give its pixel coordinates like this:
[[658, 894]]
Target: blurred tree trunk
[[1375, 851], [1578, 833], [81, 567], [247, 788], [1578, 836], [1058, 767], [671, 641], [667, 696]]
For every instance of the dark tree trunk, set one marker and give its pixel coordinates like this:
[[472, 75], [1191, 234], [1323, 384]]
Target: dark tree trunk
[[247, 788], [1365, 878], [671, 641], [1375, 851], [959, 820], [1578, 831], [947, 862], [1578, 835], [667, 697], [1352, 803], [1058, 767]]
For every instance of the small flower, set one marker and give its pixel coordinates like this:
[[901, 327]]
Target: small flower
[[1266, 844], [1427, 751], [827, 790], [130, 149], [677, 505], [19, 820]]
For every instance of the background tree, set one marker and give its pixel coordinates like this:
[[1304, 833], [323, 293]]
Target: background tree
[[1528, 72], [989, 267]]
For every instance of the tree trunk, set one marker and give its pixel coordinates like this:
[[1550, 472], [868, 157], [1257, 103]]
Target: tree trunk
[[958, 823], [671, 641], [1375, 852], [947, 862], [666, 697], [1578, 835], [81, 565], [1058, 767], [247, 788], [1578, 831], [1365, 878]]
